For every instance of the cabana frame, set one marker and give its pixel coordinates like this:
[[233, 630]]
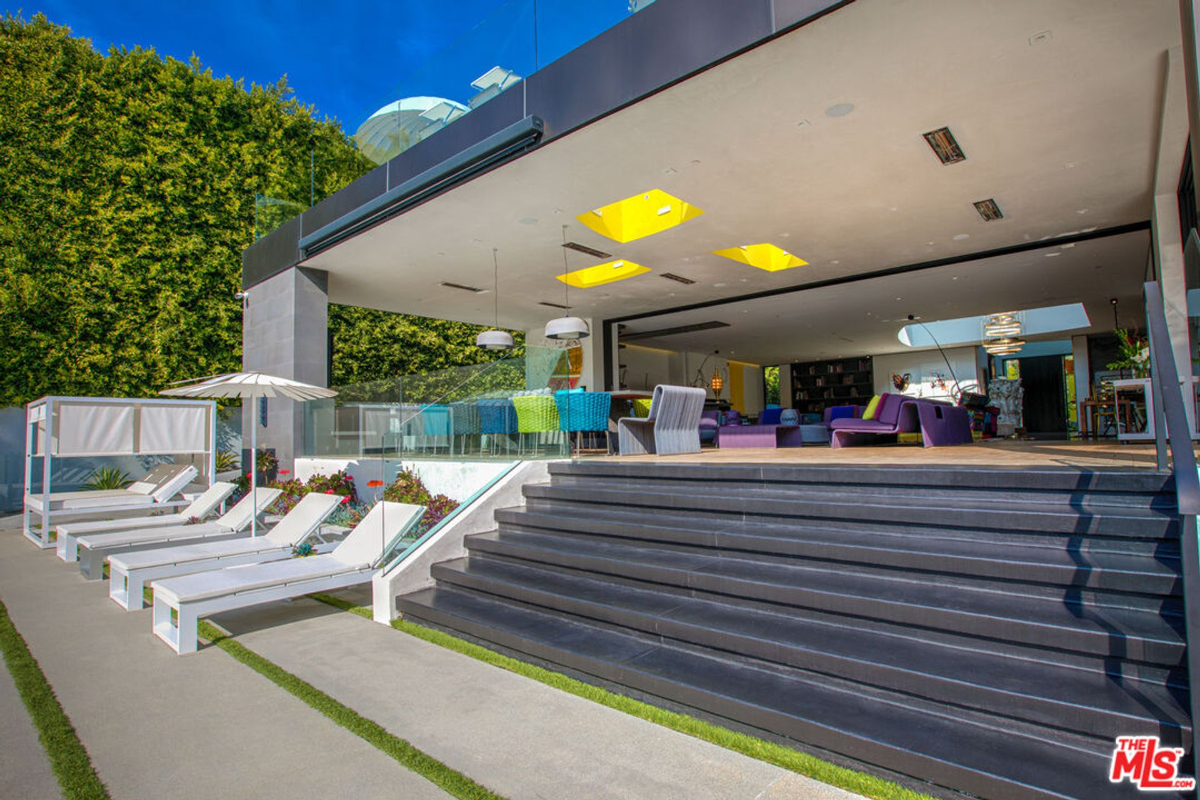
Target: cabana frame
[[56, 427]]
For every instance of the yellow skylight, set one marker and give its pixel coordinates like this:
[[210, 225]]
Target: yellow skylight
[[764, 256], [602, 274], [641, 215]]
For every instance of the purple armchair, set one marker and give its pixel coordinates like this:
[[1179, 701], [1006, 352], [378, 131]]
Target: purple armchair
[[938, 423]]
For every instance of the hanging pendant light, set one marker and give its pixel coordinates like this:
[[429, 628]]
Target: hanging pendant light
[[495, 339], [566, 328], [717, 383]]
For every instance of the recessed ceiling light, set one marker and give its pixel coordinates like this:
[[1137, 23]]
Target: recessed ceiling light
[[989, 210], [1082, 211], [1067, 246], [839, 110], [638, 216], [602, 274], [582, 248], [718, 285], [529, 221], [1041, 37], [1052, 255], [474, 289], [958, 237], [669, 171], [835, 261], [802, 123], [764, 256], [945, 146]]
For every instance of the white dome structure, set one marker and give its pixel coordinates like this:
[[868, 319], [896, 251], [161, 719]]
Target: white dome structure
[[398, 126]]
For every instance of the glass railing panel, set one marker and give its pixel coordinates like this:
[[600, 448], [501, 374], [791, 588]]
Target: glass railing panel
[[503, 409]]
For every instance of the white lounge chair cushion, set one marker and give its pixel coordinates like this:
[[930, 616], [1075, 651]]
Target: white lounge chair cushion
[[187, 553], [234, 580], [239, 516], [111, 525], [370, 538], [94, 500], [165, 533], [208, 501], [299, 523]]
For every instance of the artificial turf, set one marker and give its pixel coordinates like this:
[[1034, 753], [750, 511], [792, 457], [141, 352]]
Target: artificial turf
[[770, 752], [68, 759], [449, 780]]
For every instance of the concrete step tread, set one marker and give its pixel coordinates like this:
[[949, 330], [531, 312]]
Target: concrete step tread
[[1069, 554], [799, 584], [996, 510], [912, 663], [1116, 479], [953, 747]]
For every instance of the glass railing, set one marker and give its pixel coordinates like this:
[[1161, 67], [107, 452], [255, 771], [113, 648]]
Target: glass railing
[[406, 545], [503, 409], [514, 41]]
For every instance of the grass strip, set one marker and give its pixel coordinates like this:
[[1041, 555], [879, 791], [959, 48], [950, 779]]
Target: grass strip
[[449, 780], [770, 752], [68, 759]]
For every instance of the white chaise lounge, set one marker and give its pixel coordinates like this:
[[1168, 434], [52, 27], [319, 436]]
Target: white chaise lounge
[[200, 508], [95, 548], [128, 573], [179, 603], [155, 492]]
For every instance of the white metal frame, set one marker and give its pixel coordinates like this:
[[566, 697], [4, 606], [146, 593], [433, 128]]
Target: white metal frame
[[45, 409], [182, 632]]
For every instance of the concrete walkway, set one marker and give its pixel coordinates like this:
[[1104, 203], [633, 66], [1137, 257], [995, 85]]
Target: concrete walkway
[[519, 737], [24, 769], [157, 725]]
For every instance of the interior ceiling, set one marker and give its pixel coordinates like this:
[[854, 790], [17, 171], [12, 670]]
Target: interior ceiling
[[863, 318], [1061, 129]]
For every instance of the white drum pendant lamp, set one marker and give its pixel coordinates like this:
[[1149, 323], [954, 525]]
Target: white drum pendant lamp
[[566, 328], [496, 339]]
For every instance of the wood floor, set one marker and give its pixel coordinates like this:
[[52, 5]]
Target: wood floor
[[993, 453]]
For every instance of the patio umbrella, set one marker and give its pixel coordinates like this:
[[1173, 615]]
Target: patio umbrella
[[251, 385]]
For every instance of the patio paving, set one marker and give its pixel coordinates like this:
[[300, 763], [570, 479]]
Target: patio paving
[[24, 768], [160, 725], [157, 725], [521, 738]]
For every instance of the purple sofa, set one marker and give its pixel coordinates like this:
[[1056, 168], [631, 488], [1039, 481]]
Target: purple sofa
[[939, 424]]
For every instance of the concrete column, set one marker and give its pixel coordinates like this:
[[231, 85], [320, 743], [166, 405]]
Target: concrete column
[[1083, 374], [285, 332]]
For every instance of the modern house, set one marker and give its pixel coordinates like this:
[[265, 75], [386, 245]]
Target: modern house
[[852, 192]]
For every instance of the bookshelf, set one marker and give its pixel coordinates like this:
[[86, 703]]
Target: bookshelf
[[817, 385]]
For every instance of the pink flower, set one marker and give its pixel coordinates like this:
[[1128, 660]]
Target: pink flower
[[330, 491], [346, 498], [285, 472]]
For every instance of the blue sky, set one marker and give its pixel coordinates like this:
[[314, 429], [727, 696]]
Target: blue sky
[[345, 57]]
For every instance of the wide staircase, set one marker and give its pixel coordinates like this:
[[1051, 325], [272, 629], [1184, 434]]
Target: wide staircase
[[990, 631]]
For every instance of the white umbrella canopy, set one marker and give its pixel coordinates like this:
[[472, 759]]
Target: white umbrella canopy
[[251, 385]]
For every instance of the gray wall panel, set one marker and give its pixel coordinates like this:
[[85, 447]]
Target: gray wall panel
[[467, 130], [791, 12], [346, 200], [656, 47]]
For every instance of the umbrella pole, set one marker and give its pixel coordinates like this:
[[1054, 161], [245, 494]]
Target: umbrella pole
[[253, 469]]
